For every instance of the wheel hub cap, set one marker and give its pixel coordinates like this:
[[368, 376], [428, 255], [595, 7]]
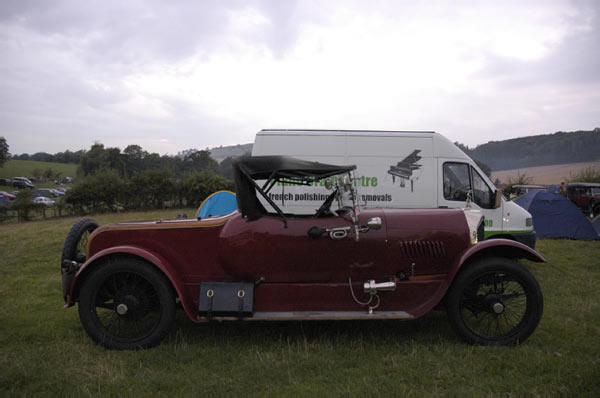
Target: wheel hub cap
[[122, 309], [498, 308]]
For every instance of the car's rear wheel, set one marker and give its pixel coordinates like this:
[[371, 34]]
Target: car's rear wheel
[[495, 301], [77, 238], [126, 304]]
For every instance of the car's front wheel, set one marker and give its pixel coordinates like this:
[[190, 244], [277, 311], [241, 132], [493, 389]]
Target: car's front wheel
[[126, 304], [495, 301]]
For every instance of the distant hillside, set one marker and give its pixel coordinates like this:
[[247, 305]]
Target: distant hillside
[[28, 168], [539, 150], [223, 152]]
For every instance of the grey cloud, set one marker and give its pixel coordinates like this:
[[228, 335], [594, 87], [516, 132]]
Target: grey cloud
[[574, 61], [62, 64], [134, 32]]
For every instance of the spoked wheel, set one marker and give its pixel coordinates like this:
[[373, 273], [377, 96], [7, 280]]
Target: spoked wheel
[[126, 305], [74, 247], [495, 302]]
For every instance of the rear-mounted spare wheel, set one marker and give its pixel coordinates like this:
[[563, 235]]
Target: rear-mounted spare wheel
[[73, 254], [74, 248]]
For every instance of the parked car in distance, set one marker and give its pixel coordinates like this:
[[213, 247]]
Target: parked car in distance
[[22, 182], [8, 195], [586, 195], [518, 190], [49, 192], [258, 263], [45, 192], [44, 200], [4, 200], [5, 181]]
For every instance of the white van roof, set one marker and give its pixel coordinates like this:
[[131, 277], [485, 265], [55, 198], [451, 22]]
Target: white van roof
[[442, 147], [338, 132]]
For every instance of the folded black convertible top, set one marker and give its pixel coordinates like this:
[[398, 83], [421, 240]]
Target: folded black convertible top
[[248, 169], [265, 167]]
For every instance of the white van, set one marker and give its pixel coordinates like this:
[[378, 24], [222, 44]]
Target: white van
[[402, 169]]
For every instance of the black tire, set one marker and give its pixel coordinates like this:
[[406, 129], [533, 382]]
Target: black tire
[[126, 304], [495, 301], [74, 247]]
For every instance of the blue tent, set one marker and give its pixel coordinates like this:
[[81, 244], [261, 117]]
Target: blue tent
[[555, 216], [217, 204], [596, 224]]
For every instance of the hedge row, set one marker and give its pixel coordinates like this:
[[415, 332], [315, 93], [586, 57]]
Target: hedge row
[[153, 189]]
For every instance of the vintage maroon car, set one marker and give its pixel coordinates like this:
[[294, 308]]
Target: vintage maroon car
[[586, 195], [342, 262]]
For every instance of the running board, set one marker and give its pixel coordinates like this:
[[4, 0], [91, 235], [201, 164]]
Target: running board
[[310, 315]]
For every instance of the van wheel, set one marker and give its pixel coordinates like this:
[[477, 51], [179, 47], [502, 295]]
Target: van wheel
[[495, 301], [126, 304]]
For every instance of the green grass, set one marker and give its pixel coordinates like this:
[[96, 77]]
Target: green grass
[[25, 168], [44, 350]]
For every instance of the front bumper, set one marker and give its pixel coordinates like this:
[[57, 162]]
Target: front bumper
[[527, 239]]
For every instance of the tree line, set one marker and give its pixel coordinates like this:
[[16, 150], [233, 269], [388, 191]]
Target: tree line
[[112, 180], [60, 157], [540, 150], [106, 191], [132, 179], [134, 160]]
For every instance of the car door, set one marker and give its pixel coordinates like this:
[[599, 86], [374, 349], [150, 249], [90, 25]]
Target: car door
[[267, 248]]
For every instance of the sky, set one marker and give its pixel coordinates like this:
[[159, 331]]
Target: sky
[[173, 75]]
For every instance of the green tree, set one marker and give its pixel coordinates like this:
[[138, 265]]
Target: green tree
[[589, 174], [150, 190], [114, 161], [519, 179], [197, 186], [100, 192], [225, 168], [484, 167], [48, 173], [134, 159], [94, 160], [4, 155], [37, 173], [24, 205], [198, 161]]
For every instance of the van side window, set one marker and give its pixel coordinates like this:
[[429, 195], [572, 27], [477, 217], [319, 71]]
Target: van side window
[[457, 182], [482, 194]]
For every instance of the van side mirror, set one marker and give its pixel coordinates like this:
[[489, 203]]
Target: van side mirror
[[497, 199]]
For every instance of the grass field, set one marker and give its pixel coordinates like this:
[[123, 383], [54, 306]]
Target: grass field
[[546, 175], [44, 350], [25, 168]]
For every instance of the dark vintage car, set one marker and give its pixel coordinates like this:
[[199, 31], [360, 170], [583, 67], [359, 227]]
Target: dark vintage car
[[519, 190], [259, 264], [586, 195]]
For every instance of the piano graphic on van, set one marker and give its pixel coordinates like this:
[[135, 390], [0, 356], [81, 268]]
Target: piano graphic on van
[[405, 168]]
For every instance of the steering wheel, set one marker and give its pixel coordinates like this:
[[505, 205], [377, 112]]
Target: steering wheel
[[324, 209], [461, 192]]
